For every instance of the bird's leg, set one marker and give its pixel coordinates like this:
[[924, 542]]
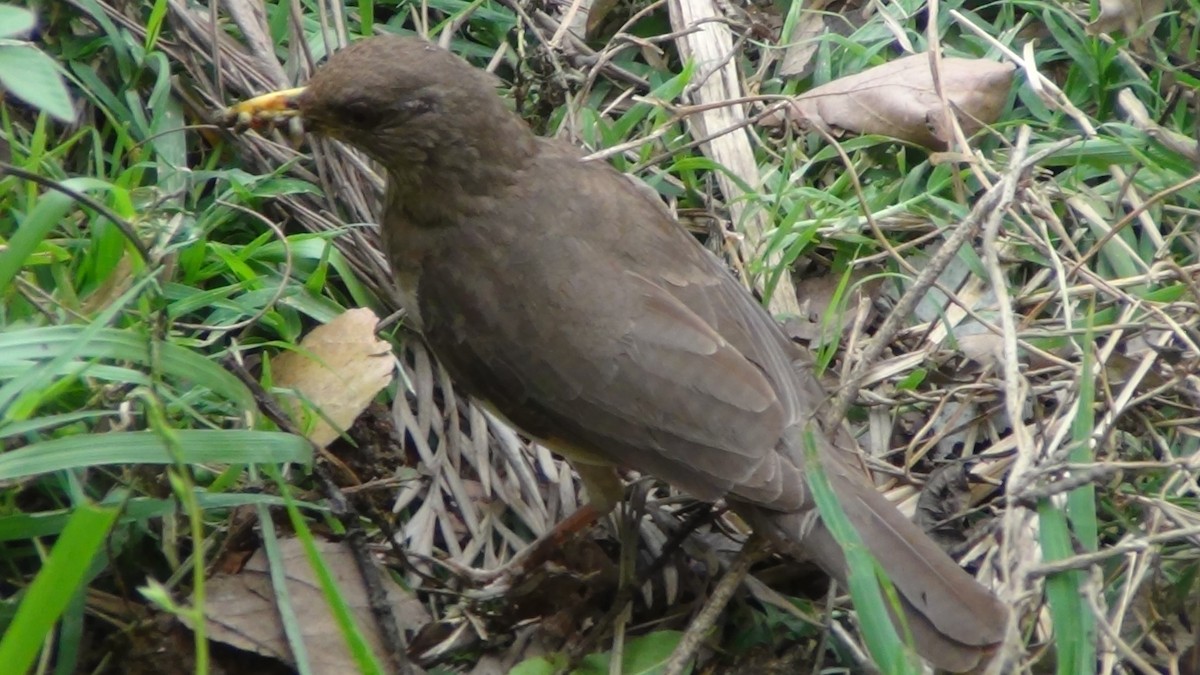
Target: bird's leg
[[755, 549], [589, 641], [604, 490]]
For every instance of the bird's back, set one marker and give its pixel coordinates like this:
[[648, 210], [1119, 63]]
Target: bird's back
[[584, 311]]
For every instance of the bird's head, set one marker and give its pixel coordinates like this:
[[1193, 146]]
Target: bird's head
[[403, 101]]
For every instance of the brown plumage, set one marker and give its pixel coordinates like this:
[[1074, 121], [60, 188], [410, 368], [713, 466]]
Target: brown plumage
[[571, 303]]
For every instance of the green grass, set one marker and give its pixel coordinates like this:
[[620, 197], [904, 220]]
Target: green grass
[[153, 249]]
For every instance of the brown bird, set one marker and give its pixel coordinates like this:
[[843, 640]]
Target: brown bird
[[570, 302]]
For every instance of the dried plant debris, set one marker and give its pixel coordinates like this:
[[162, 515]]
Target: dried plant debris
[[1135, 111], [1137, 18], [243, 611], [899, 99], [802, 43], [338, 370], [831, 303]]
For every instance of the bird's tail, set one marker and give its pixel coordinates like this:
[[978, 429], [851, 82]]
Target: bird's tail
[[955, 622]]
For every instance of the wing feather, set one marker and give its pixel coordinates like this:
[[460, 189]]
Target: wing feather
[[637, 368]]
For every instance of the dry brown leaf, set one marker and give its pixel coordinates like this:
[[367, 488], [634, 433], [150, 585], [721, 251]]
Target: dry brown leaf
[[802, 43], [241, 609], [986, 348], [816, 297], [1135, 17], [898, 99], [340, 368], [117, 282]]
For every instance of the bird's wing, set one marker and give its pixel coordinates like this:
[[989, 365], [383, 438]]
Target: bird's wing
[[613, 340]]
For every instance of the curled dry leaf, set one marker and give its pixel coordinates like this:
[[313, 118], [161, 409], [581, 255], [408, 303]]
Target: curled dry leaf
[[339, 369], [898, 99], [241, 608]]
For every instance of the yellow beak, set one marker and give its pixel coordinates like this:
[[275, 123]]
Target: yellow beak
[[267, 110]]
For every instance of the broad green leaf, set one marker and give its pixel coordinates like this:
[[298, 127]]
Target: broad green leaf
[[644, 655], [33, 77], [86, 343], [234, 446], [15, 21], [37, 224], [54, 586]]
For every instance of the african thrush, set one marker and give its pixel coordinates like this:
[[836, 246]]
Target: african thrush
[[571, 303]]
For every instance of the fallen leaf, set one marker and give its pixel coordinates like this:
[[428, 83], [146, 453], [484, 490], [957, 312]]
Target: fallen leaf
[[339, 369], [241, 609], [818, 312], [984, 348], [802, 43], [1137, 18], [898, 99]]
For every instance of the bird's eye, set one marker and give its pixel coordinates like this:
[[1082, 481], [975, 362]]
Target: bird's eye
[[361, 112]]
